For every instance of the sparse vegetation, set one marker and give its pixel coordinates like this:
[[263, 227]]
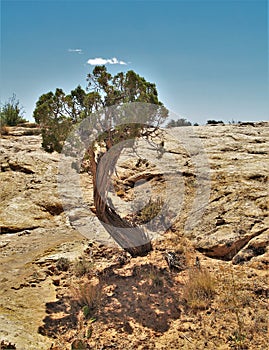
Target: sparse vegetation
[[214, 122], [235, 301], [82, 267], [155, 279], [63, 264], [150, 210], [199, 289], [87, 295], [204, 308]]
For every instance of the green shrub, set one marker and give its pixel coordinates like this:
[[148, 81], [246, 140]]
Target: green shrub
[[11, 112]]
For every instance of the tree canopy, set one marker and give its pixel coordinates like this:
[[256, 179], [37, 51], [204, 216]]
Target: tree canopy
[[57, 112]]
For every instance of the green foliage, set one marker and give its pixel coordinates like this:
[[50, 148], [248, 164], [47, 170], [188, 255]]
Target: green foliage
[[57, 112], [55, 118], [180, 122], [11, 112]]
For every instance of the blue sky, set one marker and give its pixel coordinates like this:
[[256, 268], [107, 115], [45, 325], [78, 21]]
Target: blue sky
[[209, 59]]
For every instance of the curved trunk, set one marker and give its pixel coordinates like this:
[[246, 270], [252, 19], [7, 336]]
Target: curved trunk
[[131, 238]]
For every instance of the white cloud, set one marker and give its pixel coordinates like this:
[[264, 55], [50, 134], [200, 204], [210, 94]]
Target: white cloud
[[102, 61], [76, 50]]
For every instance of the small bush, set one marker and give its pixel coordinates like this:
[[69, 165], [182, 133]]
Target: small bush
[[180, 122], [151, 210], [155, 279], [82, 267], [11, 112], [199, 289], [154, 214], [214, 122], [63, 264]]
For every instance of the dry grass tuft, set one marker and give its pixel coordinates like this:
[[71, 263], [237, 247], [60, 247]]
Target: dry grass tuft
[[199, 289], [87, 295]]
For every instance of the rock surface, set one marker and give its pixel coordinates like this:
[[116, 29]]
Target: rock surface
[[213, 181], [219, 173]]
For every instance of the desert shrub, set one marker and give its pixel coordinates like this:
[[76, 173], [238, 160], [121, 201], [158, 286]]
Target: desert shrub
[[214, 122], [153, 214], [82, 267], [63, 264], [11, 112], [155, 278], [54, 135], [149, 211], [180, 122], [199, 289]]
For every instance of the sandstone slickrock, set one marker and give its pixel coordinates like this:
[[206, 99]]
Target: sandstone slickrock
[[29, 185], [236, 166], [35, 230]]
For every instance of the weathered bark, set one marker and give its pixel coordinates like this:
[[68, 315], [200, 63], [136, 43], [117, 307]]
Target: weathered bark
[[131, 238]]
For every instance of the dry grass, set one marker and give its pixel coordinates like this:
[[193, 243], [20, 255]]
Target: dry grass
[[4, 130], [150, 210], [199, 289], [87, 295]]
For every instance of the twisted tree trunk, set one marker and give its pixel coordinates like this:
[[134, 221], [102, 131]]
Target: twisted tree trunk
[[131, 238]]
